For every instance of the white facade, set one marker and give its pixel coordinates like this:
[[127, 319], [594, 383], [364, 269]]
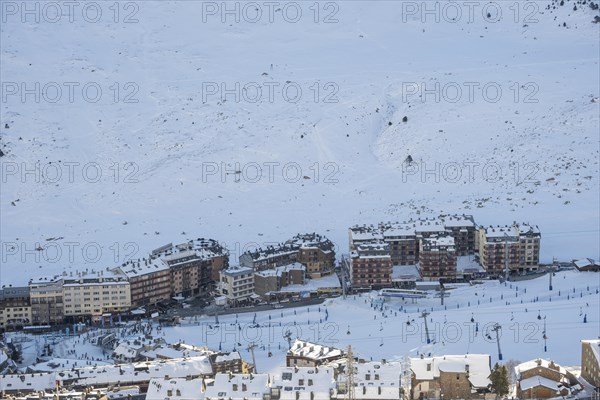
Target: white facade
[[237, 283]]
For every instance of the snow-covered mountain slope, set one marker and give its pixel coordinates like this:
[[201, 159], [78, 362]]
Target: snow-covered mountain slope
[[525, 148]]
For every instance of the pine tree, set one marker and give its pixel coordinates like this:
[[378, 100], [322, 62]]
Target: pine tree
[[499, 379]]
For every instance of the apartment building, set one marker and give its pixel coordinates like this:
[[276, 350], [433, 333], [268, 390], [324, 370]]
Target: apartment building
[[312, 250], [404, 238], [516, 247], [46, 301], [237, 284], [371, 265], [270, 281], [91, 294], [194, 266], [437, 258], [149, 280], [15, 308], [590, 362], [316, 253]]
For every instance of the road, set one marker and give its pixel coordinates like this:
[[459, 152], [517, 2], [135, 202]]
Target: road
[[212, 309]]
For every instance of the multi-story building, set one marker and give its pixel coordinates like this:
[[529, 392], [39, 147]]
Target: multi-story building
[[371, 265], [316, 253], [590, 362], [93, 294], [15, 308], [312, 250], [46, 301], [270, 281], [237, 284], [437, 258], [149, 280], [194, 265], [403, 237], [515, 247]]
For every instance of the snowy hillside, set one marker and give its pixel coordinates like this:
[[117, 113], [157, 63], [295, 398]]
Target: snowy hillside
[[167, 146]]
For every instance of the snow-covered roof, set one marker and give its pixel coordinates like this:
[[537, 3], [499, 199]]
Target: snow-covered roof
[[536, 363], [389, 373], [60, 363], [175, 388], [405, 273], [238, 386], [312, 285], [278, 271], [468, 264], [142, 267], [478, 366], [225, 357], [584, 262], [301, 348], [236, 271], [94, 278], [304, 380], [438, 241], [538, 381]]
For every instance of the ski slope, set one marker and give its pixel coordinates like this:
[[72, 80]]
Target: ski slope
[[384, 334], [153, 160]]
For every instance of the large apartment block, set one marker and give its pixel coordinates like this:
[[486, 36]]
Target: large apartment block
[[312, 250], [437, 258], [371, 265], [404, 237], [15, 308], [194, 266], [590, 362], [515, 247], [149, 280], [46, 301], [92, 294]]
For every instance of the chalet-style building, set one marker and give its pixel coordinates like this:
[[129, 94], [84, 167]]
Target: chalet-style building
[[587, 264], [453, 377], [306, 354], [542, 379]]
